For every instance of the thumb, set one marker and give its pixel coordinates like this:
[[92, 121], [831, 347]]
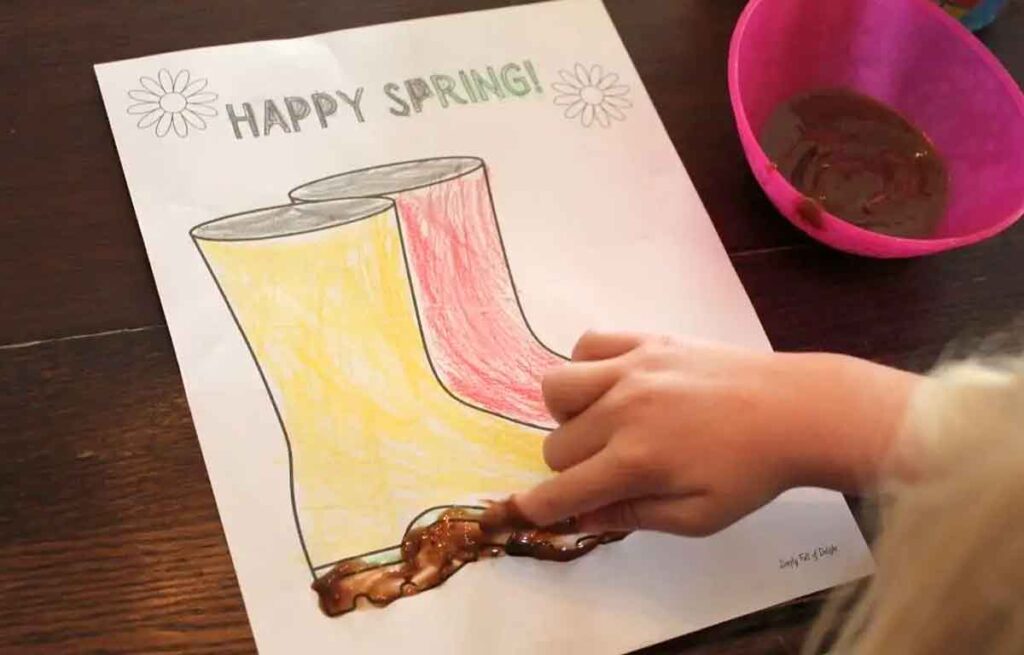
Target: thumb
[[593, 483]]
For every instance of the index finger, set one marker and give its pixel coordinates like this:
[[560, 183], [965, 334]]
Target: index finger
[[592, 484]]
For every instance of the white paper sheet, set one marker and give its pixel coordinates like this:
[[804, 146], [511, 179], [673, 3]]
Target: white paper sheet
[[600, 226]]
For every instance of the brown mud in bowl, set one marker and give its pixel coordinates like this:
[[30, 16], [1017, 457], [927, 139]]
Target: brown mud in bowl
[[432, 553], [859, 160]]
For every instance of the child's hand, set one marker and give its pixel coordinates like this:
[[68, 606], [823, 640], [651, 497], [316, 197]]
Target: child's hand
[[688, 438]]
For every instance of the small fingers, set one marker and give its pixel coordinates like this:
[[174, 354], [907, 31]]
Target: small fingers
[[577, 439], [571, 388], [594, 346]]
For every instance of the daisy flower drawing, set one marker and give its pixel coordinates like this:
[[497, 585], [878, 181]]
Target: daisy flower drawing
[[172, 102], [592, 95]]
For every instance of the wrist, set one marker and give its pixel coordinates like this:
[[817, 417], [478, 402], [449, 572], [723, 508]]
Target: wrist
[[849, 415]]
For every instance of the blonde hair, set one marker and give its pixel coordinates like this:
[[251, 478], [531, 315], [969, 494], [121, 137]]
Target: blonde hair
[[950, 555]]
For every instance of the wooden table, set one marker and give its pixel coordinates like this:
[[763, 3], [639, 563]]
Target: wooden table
[[109, 537]]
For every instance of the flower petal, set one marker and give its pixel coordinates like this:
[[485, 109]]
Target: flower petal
[[151, 85], [193, 119], [617, 101], [607, 81], [163, 126], [202, 98], [572, 111], [194, 87], [613, 111], [166, 83], [596, 74], [619, 90], [602, 116], [566, 98], [143, 107], [180, 126], [150, 118], [570, 79], [566, 88], [588, 116], [202, 109], [582, 75], [181, 80], [143, 96]]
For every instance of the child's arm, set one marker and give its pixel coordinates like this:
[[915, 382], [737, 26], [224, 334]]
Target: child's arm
[[688, 438]]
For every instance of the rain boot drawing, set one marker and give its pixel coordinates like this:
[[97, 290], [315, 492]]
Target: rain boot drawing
[[478, 339], [323, 298]]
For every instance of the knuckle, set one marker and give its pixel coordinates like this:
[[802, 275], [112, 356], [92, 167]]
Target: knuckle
[[553, 376], [540, 508], [615, 399], [637, 392], [548, 451], [552, 454], [549, 382], [650, 352], [644, 473], [654, 351], [583, 344], [553, 382], [665, 341], [635, 459]]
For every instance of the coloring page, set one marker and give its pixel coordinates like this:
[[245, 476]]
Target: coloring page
[[369, 246]]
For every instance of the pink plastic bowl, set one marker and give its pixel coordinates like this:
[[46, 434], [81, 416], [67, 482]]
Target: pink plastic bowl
[[912, 56]]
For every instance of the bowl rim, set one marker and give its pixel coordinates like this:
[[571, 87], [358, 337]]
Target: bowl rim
[[959, 33]]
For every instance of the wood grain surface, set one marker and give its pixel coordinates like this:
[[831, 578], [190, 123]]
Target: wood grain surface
[[109, 536]]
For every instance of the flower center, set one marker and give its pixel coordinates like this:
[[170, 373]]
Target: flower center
[[592, 95], [173, 102]]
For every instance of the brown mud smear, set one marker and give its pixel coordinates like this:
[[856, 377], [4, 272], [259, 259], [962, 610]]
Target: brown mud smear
[[432, 553]]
